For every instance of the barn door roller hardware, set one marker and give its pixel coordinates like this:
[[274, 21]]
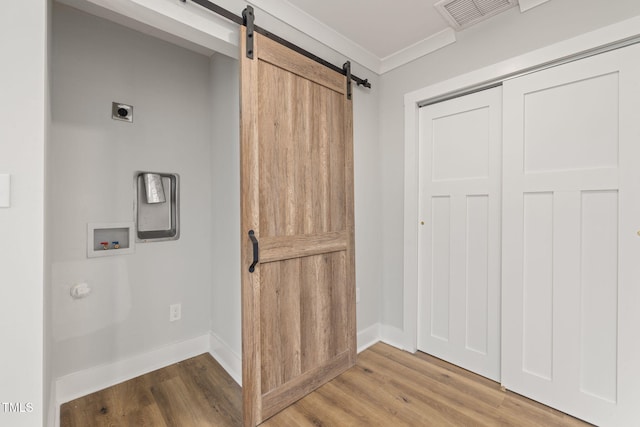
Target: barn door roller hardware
[[347, 72], [247, 19]]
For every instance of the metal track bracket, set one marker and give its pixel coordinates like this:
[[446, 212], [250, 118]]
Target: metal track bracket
[[347, 72], [247, 19]]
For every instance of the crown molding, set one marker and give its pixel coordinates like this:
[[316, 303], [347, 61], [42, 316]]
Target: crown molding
[[530, 4], [417, 50]]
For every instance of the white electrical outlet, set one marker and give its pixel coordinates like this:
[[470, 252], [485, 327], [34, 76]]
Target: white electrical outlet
[[357, 295], [175, 312]]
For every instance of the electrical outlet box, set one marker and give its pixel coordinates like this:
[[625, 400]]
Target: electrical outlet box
[[175, 312]]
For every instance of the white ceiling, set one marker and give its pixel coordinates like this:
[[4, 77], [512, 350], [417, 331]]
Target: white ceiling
[[383, 27], [379, 34]]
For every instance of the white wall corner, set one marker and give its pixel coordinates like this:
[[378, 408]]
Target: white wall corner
[[417, 50], [394, 337], [530, 4], [411, 207], [53, 409], [226, 357], [90, 380], [368, 337]]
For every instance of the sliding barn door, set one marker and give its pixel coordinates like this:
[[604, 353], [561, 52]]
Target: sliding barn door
[[298, 304], [459, 242], [571, 248]]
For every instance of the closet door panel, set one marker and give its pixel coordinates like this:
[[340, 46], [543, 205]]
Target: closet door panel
[[537, 285], [459, 245], [599, 294], [570, 216]]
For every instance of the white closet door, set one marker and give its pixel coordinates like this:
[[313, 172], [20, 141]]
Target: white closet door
[[459, 243], [571, 252]]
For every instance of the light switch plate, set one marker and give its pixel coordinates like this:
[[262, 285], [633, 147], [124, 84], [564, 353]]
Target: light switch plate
[[5, 190]]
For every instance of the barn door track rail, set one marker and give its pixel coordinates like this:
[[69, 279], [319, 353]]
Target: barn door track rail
[[247, 20]]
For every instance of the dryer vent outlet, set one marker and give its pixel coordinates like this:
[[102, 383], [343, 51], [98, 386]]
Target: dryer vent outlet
[[122, 112]]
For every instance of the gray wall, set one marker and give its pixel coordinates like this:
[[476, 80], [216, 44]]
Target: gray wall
[[225, 170], [92, 162], [498, 39], [23, 124]]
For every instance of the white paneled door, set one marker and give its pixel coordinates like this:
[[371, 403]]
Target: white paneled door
[[571, 248], [459, 242]]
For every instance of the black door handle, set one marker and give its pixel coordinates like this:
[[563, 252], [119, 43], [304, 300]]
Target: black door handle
[[254, 242]]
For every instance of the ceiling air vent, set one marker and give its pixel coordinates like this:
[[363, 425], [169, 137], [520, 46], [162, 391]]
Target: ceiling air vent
[[464, 13]]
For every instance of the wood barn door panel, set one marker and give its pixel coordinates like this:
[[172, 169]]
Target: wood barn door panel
[[303, 163], [297, 173]]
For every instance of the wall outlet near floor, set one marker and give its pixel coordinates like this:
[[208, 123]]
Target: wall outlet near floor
[[357, 295], [175, 312]]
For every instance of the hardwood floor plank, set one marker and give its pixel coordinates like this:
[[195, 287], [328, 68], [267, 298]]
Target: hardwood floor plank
[[128, 403], [536, 413], [405, 409], [462, 408], [349, 408], [219, 392], [312, 410], [177, 409], [511, 408], [411, 389], [387, 387], [291, 417], [460, 380]]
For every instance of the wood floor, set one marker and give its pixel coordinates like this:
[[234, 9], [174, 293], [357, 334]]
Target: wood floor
[[387, 387]]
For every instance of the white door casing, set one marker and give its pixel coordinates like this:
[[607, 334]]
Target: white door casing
[[459, 235], [571, 252]]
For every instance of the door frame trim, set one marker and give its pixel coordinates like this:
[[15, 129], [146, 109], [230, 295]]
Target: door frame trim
[[442, 90]]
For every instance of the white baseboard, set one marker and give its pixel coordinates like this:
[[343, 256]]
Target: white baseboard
[[90, 380], [226, 357], [393, 336], [379, 332], [368, 337]]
